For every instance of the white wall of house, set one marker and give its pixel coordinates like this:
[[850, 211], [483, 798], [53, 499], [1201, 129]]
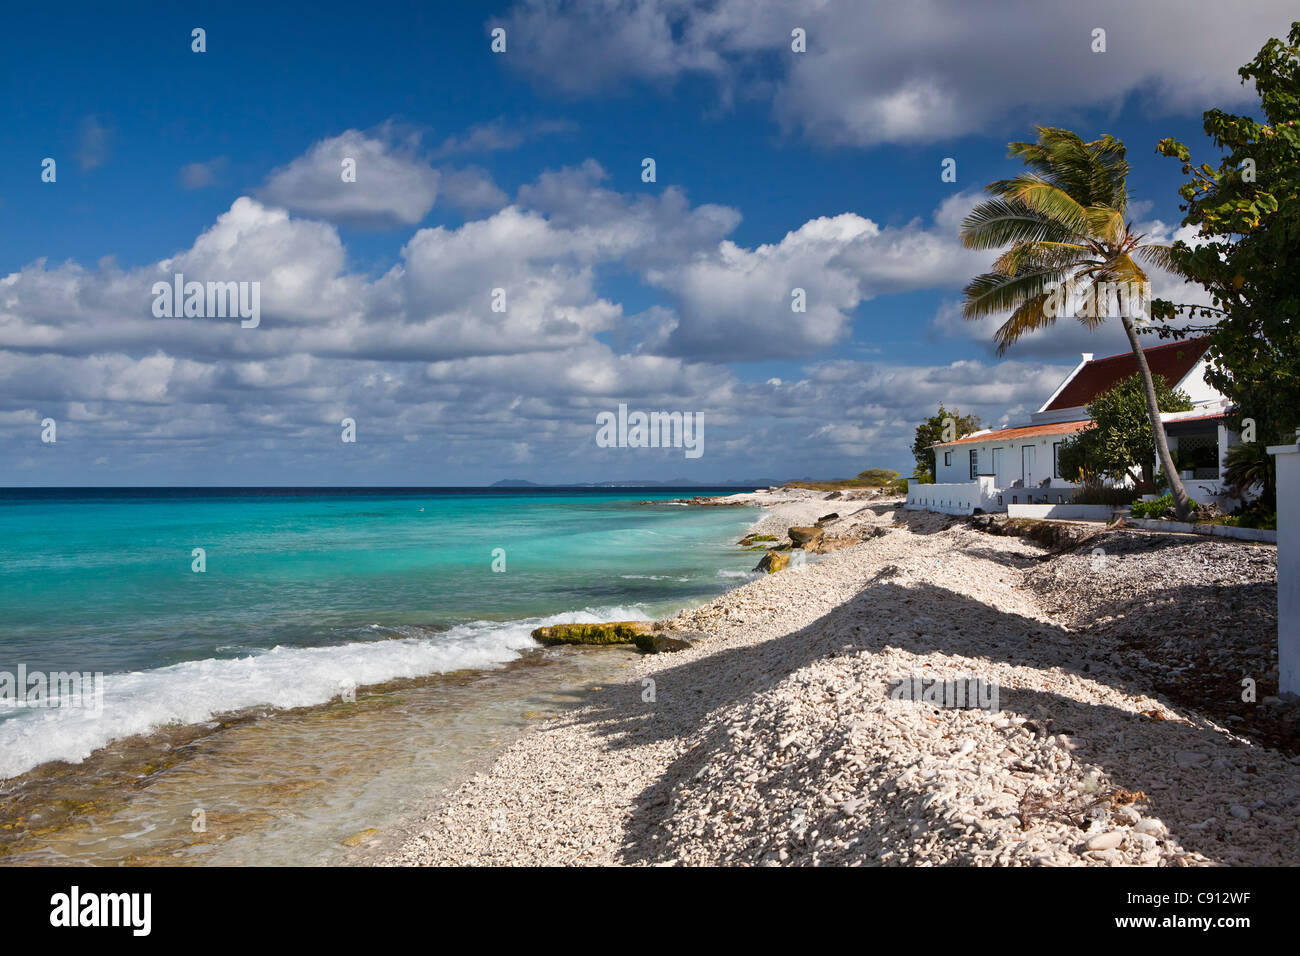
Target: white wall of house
[[1197, 389], [1006, 461], [1084, 360], [952, 465]]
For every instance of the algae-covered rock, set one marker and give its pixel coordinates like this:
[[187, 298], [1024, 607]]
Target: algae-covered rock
[[835, 542], [611, 632], [662, 642], [774, 561], [359, 837], [805, 537], [755, 539]]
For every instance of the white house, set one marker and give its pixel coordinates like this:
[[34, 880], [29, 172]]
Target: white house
[[990, 469]]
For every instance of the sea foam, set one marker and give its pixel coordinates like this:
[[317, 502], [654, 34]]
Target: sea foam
[[193, 692]]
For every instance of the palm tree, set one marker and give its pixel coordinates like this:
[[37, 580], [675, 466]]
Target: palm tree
[[1065, 223]]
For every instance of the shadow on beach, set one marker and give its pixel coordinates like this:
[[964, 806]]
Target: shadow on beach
[[1171, 760]]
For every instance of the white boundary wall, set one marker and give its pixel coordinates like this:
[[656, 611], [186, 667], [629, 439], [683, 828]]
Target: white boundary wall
[[953, 499], [1065, 512], [1216, 530]]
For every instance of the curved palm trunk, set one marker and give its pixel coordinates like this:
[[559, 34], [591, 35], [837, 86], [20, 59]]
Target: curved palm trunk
[[1182, 505]]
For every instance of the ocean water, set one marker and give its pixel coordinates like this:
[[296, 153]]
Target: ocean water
[[227, 733], [306, 593]]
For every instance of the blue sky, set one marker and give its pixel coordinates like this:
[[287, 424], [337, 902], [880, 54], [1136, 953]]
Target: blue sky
[[522, 170]]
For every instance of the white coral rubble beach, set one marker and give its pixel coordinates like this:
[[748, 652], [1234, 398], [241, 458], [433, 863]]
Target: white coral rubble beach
[[775, 740]]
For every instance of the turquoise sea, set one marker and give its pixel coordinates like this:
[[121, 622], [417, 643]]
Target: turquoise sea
[[304, 593]]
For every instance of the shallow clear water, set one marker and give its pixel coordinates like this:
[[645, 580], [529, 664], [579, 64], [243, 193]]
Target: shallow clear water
[[304, 596]]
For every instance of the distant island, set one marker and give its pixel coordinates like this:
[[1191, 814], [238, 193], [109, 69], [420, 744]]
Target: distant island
[[645, 483]]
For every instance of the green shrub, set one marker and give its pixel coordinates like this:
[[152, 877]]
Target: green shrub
[[899, 486], [1096, 493], [1157, 508], [1253, 515], [1250, 464], [1151, 509], [877, 477]]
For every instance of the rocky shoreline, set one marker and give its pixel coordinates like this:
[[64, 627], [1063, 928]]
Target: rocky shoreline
[[778, 736]]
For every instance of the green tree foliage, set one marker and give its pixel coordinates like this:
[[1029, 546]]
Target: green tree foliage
[[1247, 211], [1120, 444], [878, 477], [942, 426]]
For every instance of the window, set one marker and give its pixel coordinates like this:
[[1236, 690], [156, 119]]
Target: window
[[974, 464], [1200, 453], [1056, 459], [947, 458]]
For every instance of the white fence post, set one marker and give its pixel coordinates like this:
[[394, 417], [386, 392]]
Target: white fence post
[[1288, 566]]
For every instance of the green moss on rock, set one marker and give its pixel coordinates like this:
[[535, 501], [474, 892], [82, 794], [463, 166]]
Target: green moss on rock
[[773, 561], [612, 632]]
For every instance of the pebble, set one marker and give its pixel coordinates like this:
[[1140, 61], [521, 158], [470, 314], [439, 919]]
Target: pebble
[[1149, 825], [779, 743], [1105, 841]]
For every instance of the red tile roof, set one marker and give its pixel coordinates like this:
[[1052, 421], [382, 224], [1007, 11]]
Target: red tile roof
[[1027, 431], [1173, 361]]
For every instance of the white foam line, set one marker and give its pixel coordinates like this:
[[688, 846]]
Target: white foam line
[[193, 692]]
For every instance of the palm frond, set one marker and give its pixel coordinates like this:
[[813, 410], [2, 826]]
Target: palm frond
[[998, 222], [1088, 312], [1122, 268], [1046, 198], [1031, 315], [1158, 255], [1109, 183], [1093, 173], [1122, 278], [1059, 157], [1106, 223], [993, 292], [1024, 256]]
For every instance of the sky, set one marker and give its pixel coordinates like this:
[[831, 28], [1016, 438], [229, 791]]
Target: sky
[[523, 170]]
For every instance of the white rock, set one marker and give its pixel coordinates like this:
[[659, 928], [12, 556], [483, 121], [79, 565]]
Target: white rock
[[1105, 841]]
